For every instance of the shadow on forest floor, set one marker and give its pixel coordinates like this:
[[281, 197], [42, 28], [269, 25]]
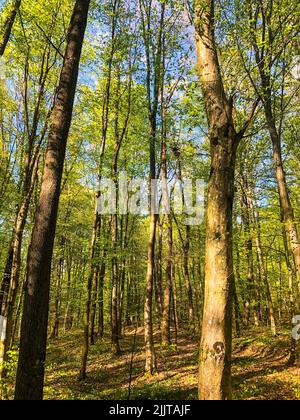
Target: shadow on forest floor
[[259, 370]]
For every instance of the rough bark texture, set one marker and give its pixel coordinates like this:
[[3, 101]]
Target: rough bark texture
[[30, 373], [8, 25], [215, 348]]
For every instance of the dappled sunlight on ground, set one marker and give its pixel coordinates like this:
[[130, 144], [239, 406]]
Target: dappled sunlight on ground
[[259, 370]]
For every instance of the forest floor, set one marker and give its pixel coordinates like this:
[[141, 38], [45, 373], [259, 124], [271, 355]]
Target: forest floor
[[260, 370]]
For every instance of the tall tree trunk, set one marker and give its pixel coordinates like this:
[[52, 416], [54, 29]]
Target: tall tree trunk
[[153, 90], [215, 353], [186, 271], [31, 366], [292, 305], [285, 202], [150, 362], [159, 270], [101, 296], [94, 268], [94, 296], [91, 281], [166, 316], [175, 304], [8, 25], [115, 287], [150, 366], [119, 134], [188, 286], [166, 319], [122, 298], [68, 317], [28, 181], [237, 312], [60, 270], [10, 283], [251, 297], [216, 341], [264, 60], [264, 274]]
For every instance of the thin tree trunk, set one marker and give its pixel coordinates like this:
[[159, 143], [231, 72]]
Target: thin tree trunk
[[264, 63], [261, 262], [11, 276], [153, 102], [237, 312], [158, 277], [120, 134], [175, 305], [166, 317], [285, 202], [68, 318], [101, 296], [91, 281], [57, 313], [188, 286], [94, 295], [150, 366], [115, 285], [292, 306], [251, 298]]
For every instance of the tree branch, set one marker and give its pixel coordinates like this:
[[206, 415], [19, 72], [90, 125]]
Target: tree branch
[[49, 40], [247, 123]]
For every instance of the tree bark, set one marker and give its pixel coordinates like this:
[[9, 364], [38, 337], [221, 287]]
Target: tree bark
[[8, 25], [153, 102], [60, 271], [292, 305], [216, 341], [264, 59], [251, 297], [101, 296], [166, 317], [31, 366], [237, 312], [284, 196], [159, 270], [150, 366], [92, 280], [264, 274], [95, 262]]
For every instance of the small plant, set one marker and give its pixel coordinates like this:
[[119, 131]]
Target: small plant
[[297, 393], [9, 368]]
